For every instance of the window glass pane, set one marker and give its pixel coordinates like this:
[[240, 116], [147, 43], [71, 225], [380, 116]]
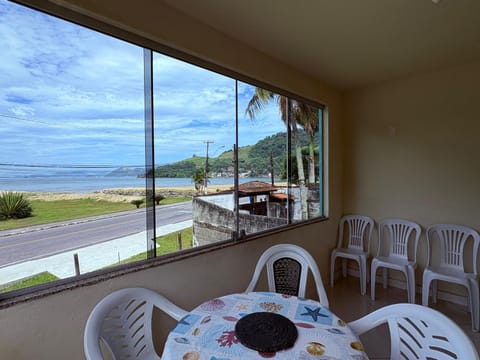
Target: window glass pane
[[306, 152], [78, 147], [72, 125], [282, 126], [194, 137], [264, 200]]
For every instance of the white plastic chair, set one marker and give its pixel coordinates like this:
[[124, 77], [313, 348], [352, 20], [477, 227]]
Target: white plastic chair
[[287, 270], [123, 321], [450, 266], [397, 233], [360, 230], [418, 332]]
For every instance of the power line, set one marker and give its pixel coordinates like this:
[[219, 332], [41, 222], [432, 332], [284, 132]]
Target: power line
[[25, 119], [68, 166]]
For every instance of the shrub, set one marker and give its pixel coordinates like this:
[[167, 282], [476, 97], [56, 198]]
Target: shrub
[[137, 203], [13, 205], [159, 198]]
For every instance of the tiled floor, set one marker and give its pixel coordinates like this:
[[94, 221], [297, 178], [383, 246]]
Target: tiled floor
[[345, 301]]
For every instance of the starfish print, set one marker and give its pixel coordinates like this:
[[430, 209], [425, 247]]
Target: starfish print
[[313, 313], [242, 307]]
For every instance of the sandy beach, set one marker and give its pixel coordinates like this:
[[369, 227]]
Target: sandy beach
[[120, 194]]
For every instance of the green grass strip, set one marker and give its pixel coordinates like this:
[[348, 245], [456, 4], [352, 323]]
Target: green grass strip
[[168, 244], [45, 212], [40, 278]]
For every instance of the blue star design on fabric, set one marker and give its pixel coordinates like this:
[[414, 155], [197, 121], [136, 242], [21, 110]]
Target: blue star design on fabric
[[186, 323], [183, 321], [314, 313]]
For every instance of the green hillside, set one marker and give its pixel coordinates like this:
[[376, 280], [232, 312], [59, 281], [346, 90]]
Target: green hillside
[[254, 160]]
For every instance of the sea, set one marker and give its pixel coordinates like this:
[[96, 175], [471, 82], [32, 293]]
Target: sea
[[90, 184]]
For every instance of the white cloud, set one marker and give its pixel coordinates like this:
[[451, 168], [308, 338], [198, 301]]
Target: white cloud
[[70, 94]]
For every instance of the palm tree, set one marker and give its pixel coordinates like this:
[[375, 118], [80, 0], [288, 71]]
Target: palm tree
[[199, 178], [293, 113], [308, 120]]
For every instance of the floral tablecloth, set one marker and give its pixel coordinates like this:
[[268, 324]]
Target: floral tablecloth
[[208, 332]]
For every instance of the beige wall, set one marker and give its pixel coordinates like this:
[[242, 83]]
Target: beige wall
[[412, 150], [52, 327]]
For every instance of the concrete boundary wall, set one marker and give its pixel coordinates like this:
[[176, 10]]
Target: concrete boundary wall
[[212, 223]]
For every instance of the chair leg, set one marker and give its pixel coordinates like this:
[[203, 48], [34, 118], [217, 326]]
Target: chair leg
[[474, 294], [385, 277], [332, 269], [367, 272], [363, 275], [425, 291], [434, 291], [372, 280], [410, 274], [344, 267]]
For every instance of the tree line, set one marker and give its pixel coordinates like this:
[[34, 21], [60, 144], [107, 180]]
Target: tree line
[[257, 160]]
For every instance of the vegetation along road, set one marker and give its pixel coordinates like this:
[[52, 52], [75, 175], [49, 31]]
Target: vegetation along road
[[27, 245]]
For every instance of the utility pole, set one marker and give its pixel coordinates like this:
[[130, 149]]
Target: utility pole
[[205, 183], [272, 174]]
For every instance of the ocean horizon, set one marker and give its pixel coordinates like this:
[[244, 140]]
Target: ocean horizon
[[89, 184]]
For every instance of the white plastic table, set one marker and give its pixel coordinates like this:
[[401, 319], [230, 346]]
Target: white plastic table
[[208, 331]]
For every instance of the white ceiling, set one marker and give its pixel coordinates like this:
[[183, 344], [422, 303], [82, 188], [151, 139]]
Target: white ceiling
[[350, 43]]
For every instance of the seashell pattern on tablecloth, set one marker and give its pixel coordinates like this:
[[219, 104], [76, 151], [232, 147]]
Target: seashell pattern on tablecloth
[[357, 345], [208, 332], [206, 319], [182, 340], [192, 355], [271, 307], [315, 348], [213, 305]]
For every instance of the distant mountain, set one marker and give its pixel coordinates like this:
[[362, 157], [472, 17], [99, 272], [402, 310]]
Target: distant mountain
[[253, 160], [127, 171]]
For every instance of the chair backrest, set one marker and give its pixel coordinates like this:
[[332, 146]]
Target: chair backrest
[[452, 240], [287, 271], [360, 230], [122, 320], [419, 332], [399, 233]]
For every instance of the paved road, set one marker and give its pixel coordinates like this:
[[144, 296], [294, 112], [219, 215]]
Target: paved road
[[37, 242]]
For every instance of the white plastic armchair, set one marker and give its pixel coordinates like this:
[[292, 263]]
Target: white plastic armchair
[[287, 271], [359, 232], [123, 322], [418, 332], [397, 234], [450, 265]]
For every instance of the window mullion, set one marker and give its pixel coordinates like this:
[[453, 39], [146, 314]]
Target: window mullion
[[149, 153]]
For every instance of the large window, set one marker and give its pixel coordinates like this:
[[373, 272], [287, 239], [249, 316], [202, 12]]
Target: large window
[[100, 135]]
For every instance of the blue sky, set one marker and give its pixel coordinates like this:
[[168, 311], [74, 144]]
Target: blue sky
[[69, 95]]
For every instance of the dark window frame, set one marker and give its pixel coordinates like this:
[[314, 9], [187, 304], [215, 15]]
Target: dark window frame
[[39, 291]]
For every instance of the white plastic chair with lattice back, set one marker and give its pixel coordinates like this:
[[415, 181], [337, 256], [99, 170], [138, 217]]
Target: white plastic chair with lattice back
[[418, 332], [398, 234], [123, 322], [287, 271], [450, 267], [359, 233]]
